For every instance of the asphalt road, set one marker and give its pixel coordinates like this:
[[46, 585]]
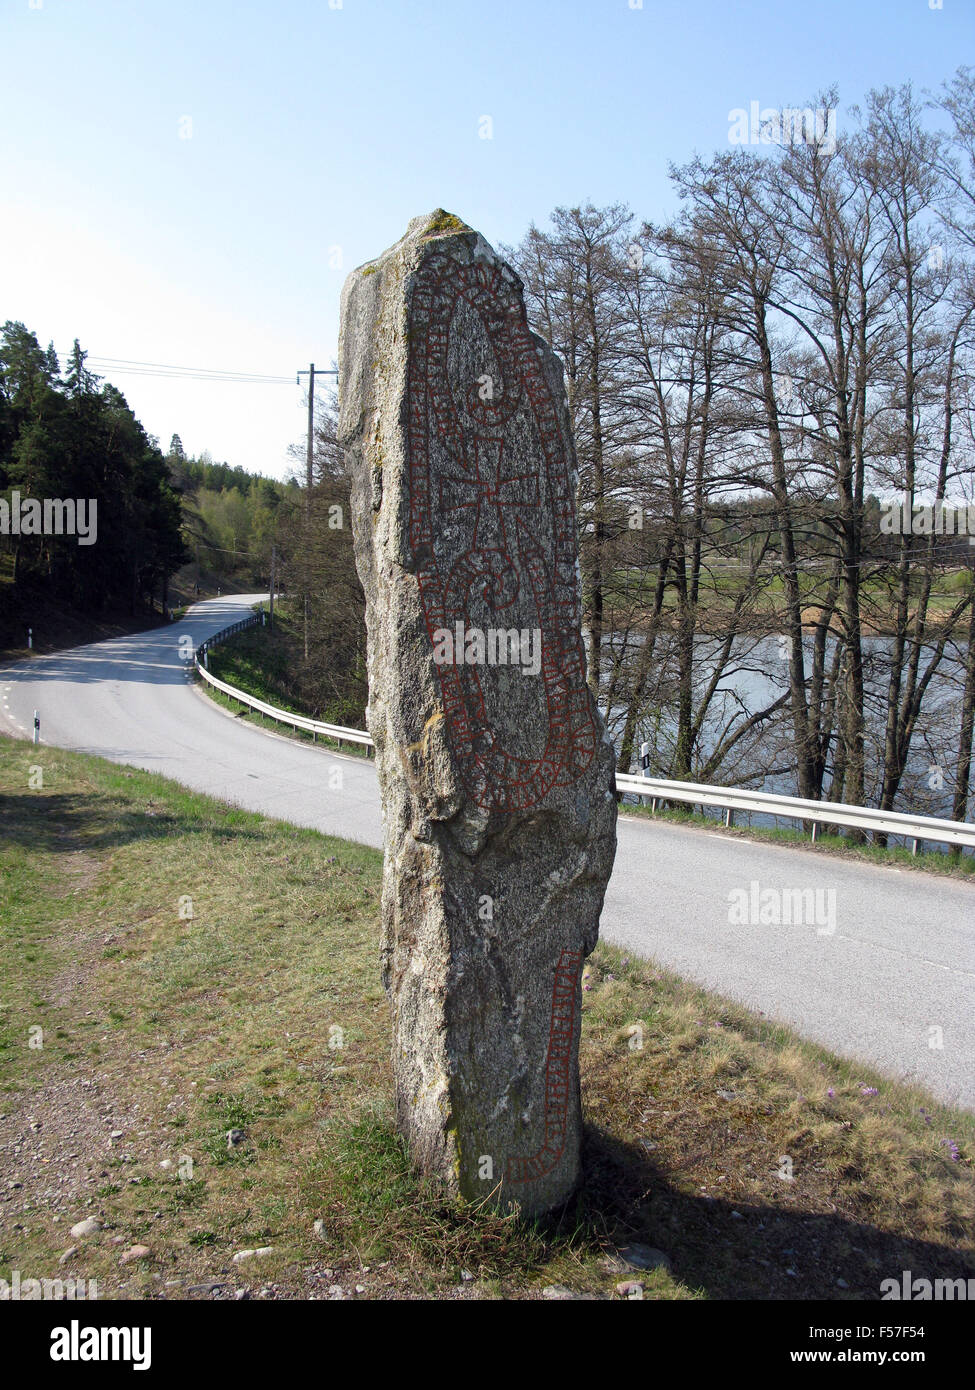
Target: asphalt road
[[879, 960]]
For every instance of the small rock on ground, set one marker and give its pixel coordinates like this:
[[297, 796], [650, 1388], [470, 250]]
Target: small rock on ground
[[88, 1227], [640, 1257], [135, 1252]]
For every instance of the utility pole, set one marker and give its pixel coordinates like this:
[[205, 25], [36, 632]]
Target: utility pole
[[309, 451], [310, 445], [309, 455], [270, 616]]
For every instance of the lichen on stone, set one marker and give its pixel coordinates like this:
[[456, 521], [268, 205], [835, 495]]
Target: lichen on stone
[[443, 223]]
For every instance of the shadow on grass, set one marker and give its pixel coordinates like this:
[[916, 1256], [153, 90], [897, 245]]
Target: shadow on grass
[[745, 1252], [378, 1205], [63, 822]]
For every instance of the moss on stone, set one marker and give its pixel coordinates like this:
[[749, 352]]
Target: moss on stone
[[444, 222]]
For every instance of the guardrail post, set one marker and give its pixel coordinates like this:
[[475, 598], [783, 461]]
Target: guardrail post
[[815, 827], [729, 818], [914, 846]]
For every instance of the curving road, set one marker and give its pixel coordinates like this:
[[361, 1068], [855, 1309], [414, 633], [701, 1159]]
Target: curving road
[[887, 959]]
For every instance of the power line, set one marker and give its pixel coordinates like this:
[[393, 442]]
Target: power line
[[174, 373], [186, 376], [168, 366]]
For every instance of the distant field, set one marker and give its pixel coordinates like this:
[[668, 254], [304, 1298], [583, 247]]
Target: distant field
[[195, 969], [723, 580]]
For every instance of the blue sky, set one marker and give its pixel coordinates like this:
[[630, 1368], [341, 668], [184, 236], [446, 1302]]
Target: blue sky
[[189, 183]]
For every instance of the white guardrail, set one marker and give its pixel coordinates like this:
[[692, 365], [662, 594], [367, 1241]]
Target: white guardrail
[[297, 721], [657, 789], [731, 799]]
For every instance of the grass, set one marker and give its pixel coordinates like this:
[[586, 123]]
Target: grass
[[190, 965], [249, 716], [256, 661]]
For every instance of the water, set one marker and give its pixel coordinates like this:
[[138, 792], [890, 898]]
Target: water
[[757, 675]]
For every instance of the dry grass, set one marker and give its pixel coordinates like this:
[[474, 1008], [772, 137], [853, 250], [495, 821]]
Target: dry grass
[[717, 1099], [162, 1031]]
